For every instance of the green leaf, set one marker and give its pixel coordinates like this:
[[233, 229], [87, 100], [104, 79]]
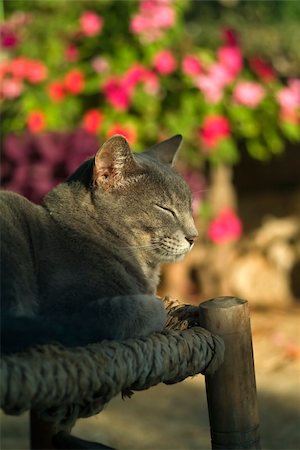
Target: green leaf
[[257, 150], [273, 141], [291, 130], [226, 152]]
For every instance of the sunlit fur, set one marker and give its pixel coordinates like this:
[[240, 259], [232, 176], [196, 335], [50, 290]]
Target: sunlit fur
[[92, 251]]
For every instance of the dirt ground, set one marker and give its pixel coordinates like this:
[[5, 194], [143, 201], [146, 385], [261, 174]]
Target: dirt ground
[[175, 417]]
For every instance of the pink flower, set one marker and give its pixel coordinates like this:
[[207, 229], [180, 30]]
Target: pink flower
[[36, 71], [100, 64], [231, 58], [164, 14], [262, 69], [36, 121], [74, 81], [133, 76], [56, 91], [214, 129], [248, 93], [212, 91], [139, 24], [289, 97], [11, 88], [127, 131], [116, 93], [137, 73], [92, 120], [164, 62], [153, 19], [191, 65], [289, 101], [151, 82], [32, 70], [225, 227], [220, 74], [19, 66], [91, 24], [213, 82]]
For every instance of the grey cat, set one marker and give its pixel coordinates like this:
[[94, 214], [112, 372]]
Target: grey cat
[[84, 266]]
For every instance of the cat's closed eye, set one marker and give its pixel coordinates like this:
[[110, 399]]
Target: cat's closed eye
[[167, 210]]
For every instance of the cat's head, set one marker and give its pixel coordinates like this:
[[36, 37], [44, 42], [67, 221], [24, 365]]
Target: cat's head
[[143, 197]]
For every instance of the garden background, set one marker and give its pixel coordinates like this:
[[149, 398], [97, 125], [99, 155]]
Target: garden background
[[226, 75]]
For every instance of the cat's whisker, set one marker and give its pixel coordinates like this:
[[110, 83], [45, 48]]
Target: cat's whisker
[[134, 247]]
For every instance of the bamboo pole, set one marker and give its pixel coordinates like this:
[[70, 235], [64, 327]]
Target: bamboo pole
[[231, 391], [41, 433], [47, 436]]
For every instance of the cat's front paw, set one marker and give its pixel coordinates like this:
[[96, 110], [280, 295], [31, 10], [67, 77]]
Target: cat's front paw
[[151, 315], [180, 316]]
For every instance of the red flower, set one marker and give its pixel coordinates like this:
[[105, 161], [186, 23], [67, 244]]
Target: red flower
[[128, 132], [91, 24], [56, 91], [74, 81], [225, 227], [117, 93], [8, 38], [18, 67], [36, 121], [229, 37], [92, 120], [71, 53], [214, 129], [262, 69], [32, 70], [164, 62]]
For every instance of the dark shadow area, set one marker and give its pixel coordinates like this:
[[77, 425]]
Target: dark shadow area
[[171, 417]]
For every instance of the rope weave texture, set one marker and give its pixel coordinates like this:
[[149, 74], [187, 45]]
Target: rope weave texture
[[65, 384]]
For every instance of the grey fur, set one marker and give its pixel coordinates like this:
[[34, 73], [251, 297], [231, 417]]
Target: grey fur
[[91, 253]]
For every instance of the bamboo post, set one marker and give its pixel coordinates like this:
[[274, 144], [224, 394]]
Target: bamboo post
[[41, 433], [47, 436], [231, 391]]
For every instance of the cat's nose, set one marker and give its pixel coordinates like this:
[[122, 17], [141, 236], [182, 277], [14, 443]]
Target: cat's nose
[[191, 239]]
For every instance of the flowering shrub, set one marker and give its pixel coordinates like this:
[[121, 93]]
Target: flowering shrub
[[225, 227], [132, 68], [145, 75]]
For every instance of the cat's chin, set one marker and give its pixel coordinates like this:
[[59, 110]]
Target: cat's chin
[[174, 258]]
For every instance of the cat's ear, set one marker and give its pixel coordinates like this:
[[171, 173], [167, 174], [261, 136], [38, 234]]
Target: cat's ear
[[113, 163], [166, 151]]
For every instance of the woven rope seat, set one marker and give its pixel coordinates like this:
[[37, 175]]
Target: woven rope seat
[[65, 384]]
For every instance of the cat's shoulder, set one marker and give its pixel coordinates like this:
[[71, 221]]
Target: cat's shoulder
[[15, 204], [9, 196]]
